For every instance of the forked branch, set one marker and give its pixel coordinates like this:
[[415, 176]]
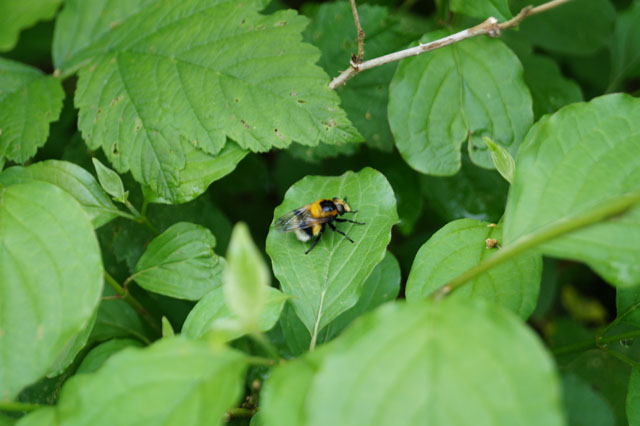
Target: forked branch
[[490, 27]]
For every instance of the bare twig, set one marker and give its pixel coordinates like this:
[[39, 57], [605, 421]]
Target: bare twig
[[489, 27], [360, 32]]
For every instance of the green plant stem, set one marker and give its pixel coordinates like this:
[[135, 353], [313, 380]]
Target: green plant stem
[[631, 363], [266, 345], [597, 342], [18, 406], [132, 301], [141, 218], [239, 412], [258, 360], [556, 229]]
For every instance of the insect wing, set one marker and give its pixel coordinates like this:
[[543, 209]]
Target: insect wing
[[298, 219]]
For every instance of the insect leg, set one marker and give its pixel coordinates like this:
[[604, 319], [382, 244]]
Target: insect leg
[[313, 244], [350, 221], [332, 226]]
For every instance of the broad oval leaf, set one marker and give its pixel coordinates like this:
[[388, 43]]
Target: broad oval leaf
[[633, 398], [99, 354], [382, 285], [205, 84], [174, 381], [625, 46], [581, 157], [483, 9], [29, 101], [51, 271], [460, 245], [18, 15], [180, 263], [328, 281], [407, 364], [577, 27], [443, 98], [73, 179], [213, 308]]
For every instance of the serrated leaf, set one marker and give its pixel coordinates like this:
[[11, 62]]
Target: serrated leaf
[[473, 192], [328, 281], [578, 27], [18, 15], [483, 9], [181, 263], [633, 398], [407, 364], [443, 98], [166, 383], [99, 354], [212, 308], [584, 405], [462, 244], [29, 101], [365, 97], [502, 160], [246, 278], [205, 83], [581, 157], [50, 270], [550, 90], [110, 181], [75, 180], [625, 46], [200, 170]]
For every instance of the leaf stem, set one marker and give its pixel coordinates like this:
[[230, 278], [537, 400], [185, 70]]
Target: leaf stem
[[612, 207], [597, 342], [631, 363], [141, 218], [132, 301], [19, 406], [258, 360], [489, 27]]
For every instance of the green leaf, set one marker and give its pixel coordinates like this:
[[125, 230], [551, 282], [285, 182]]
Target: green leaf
[[98, 355], [18, 15], [474, 192], [462, 244], [406, 185], [633, 398], [73, 179], [73, 347], [628, 304], [180, 263], [579, 158], [50, 270], [550, 90], [483, 9], [166, 383], [407, 364], [625, 46], [116, 318], [585, 406], [204, 80], [502, 160], [441, 99], [382, 285], [110, 181], [29, 101], [328, 281], [200, 170], [246, 278], [167, 329], [212, 311], [365, 97], [42, 416], [578, 27], [286, 389]]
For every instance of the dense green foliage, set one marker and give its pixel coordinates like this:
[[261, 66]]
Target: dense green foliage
[[147, 148]]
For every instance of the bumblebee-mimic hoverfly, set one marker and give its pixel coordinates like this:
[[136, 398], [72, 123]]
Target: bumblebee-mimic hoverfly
[[310, 220]]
